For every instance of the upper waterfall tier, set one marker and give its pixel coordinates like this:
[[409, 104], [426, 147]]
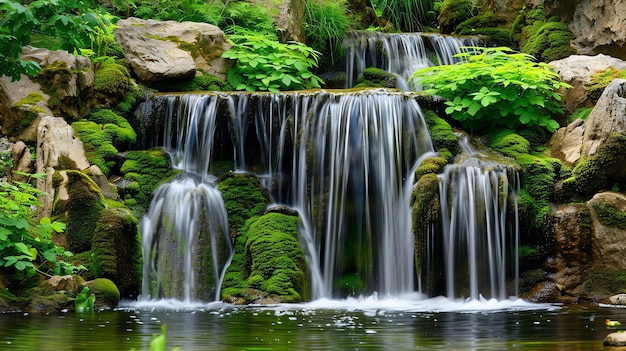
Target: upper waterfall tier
[[400, 53]]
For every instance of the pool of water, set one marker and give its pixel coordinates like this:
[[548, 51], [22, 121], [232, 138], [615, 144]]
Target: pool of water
[[353, 324]]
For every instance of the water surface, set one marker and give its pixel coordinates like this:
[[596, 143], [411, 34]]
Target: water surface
[[353, 324]]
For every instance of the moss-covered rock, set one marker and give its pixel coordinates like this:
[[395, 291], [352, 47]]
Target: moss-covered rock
[[442, 135], [107, 293], [244, 198], [142, 172], [268, 264], [599, 172], [454, 12], [85, 206], [547, 39], [114, 88], [376, 77], [116, 250]]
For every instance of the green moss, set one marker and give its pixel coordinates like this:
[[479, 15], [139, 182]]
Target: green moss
[[85, 206], [546, 40], [425, 213], [146, 170], [244, 197], [272, 261], [31, 99], [488, 25], [430, 165], [376, 77], [116, 250], [600, 80], [106, 292], [112, 78], [441, 133], [610, 216], [121, 132], [205, 82], [98, 145], [510, 144]]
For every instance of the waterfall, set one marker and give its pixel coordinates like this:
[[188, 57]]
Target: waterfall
[[480, 234], [186, 244], [400, 53], [344, 161]]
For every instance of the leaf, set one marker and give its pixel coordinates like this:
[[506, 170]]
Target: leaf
[[473, 108]]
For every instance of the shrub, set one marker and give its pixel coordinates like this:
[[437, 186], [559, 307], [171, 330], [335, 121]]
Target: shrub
[[495, 87], [263, 63], [325, 25]]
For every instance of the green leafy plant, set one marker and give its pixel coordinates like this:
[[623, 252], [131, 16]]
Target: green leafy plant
[[266, 64], [407, 15], [26, 245], [496, 87], [71, 22], [158, 341], [84, 302]]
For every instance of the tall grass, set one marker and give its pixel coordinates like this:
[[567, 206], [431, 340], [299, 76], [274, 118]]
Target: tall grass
[[407, 15], [326, 24]]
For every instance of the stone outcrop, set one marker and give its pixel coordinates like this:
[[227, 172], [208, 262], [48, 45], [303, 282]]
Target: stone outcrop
[[608, 116], [599, 27], [288, 16], [615, 342], [583, 139], [56, 148], [155, 49], [609, 233], [577, 71]]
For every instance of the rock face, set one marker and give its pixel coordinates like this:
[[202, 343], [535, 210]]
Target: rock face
[[577, 71], [288, 15], [582, 139], [599, 27], [609, 233], [56, 147], [608, 116], [153, 48]]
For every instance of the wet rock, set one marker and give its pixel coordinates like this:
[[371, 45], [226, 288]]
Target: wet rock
[[22, 161], [619, 299], [615, 341], [107, 293], [597, 27], [63, 283], [567, 142], [154, 51]]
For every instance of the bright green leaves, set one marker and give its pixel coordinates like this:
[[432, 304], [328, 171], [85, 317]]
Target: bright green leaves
[[494, 86], [266, 64], [71, 22], [26, 246]]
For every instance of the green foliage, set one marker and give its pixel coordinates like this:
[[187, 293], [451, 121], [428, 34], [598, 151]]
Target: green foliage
[[73, 23], [84, 301], [549, 42], [172, 10], [111, 78], [325, 26], [26, 245], [266, 64], [407, 15], [441, 133], [581, 113], [495, 87], [242, 14], [205, 82]]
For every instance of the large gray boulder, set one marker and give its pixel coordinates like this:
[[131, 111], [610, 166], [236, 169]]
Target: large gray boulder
[[169, 51], [607, 117]]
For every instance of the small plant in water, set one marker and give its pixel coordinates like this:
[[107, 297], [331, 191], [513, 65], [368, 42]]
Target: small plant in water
[[496, 87], [84, 303], [158, 341]]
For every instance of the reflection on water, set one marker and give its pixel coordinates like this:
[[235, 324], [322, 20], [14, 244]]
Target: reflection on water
[[363, 324]]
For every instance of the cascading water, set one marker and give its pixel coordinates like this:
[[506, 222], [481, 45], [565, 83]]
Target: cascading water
[[345, 161], [480, 231], [186, 244], [400, 53]]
